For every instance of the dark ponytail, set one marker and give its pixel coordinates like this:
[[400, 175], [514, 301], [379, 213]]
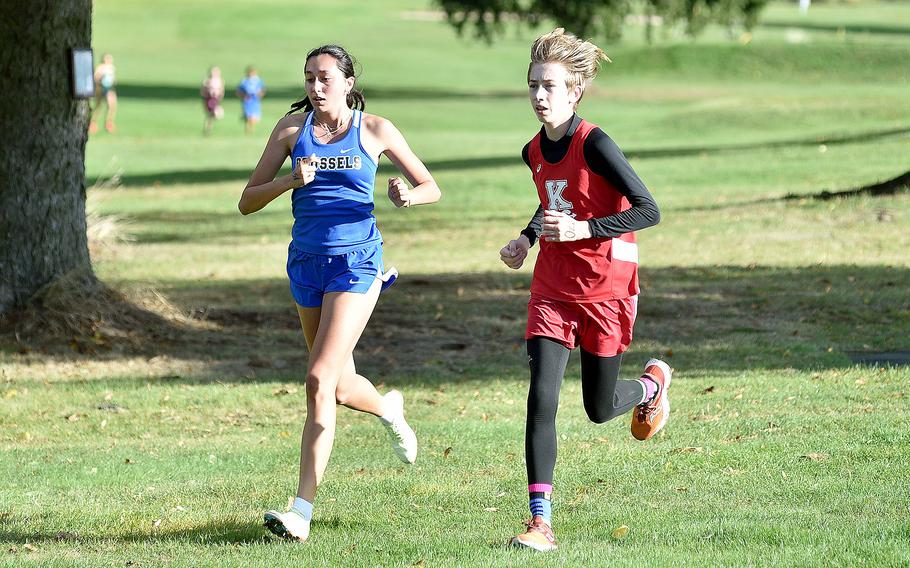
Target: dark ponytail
[[346, 66]]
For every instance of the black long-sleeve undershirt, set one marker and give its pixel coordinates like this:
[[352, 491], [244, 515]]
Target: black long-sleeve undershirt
[[604, 158]]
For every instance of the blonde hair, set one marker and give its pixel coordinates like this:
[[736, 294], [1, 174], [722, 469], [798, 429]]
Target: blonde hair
[[580, 58]]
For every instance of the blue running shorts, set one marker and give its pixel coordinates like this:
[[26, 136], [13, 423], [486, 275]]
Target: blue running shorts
[[314, 275]]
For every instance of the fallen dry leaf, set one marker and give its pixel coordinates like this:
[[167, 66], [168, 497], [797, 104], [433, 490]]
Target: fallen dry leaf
[[708, 390], [446, 452], [814, 457], [619, 532], [706, 418], [688, 450]]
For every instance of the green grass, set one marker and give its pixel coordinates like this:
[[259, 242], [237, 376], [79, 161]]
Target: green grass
[[780, 450]]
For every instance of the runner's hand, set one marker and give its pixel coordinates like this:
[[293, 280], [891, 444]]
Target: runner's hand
[[515, 253], [399, 194], [304, 171], [559, 227]]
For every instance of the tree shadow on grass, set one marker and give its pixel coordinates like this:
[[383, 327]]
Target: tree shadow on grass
[[239, 175], [292, 93], [460, 164], [214, 533], [847, 28], [826, 139], [437, 328], [892, 186], [198, 227]]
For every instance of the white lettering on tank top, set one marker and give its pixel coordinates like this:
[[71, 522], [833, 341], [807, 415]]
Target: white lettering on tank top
[[555, 188], [336, 162]]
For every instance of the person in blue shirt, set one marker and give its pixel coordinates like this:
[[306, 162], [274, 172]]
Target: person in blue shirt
[[335, 255], [251, 90]]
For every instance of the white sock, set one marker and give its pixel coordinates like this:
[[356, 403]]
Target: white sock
[[303, 507], [389, 416]]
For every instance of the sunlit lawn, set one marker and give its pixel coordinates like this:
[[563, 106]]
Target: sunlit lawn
[[780, 450]]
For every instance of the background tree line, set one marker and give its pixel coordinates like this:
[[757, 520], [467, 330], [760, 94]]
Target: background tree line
[[600, 18]]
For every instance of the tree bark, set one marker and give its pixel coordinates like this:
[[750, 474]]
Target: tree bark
[[42, 147]]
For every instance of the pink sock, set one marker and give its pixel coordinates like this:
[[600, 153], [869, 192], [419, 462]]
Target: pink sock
[[651, 388]]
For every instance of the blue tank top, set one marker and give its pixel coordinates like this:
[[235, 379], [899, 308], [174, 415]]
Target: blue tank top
[[250, 86], [333, 214]]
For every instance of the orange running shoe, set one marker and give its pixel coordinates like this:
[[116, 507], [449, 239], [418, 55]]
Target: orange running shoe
[[539, 536], [649, 418]]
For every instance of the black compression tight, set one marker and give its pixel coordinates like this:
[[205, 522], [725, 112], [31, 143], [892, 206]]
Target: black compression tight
[[605, 397]]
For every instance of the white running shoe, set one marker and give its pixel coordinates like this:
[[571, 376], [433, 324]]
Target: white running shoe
[[404, 441], [290, 525]]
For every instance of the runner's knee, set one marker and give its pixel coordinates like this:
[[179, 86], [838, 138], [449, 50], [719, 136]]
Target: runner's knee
[[320, 386], [598, 412], [542, 404], [342, 395]]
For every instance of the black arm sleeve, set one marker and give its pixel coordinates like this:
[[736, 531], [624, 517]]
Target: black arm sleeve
[[605, 159], [535, 225]]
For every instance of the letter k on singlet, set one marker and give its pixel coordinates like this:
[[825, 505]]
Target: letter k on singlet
[[557, 202]]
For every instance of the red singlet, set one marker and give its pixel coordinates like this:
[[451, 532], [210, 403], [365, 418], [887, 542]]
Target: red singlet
[[590, 270]]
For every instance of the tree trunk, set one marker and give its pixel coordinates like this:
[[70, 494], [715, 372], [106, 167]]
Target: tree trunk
[[42, 147]]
